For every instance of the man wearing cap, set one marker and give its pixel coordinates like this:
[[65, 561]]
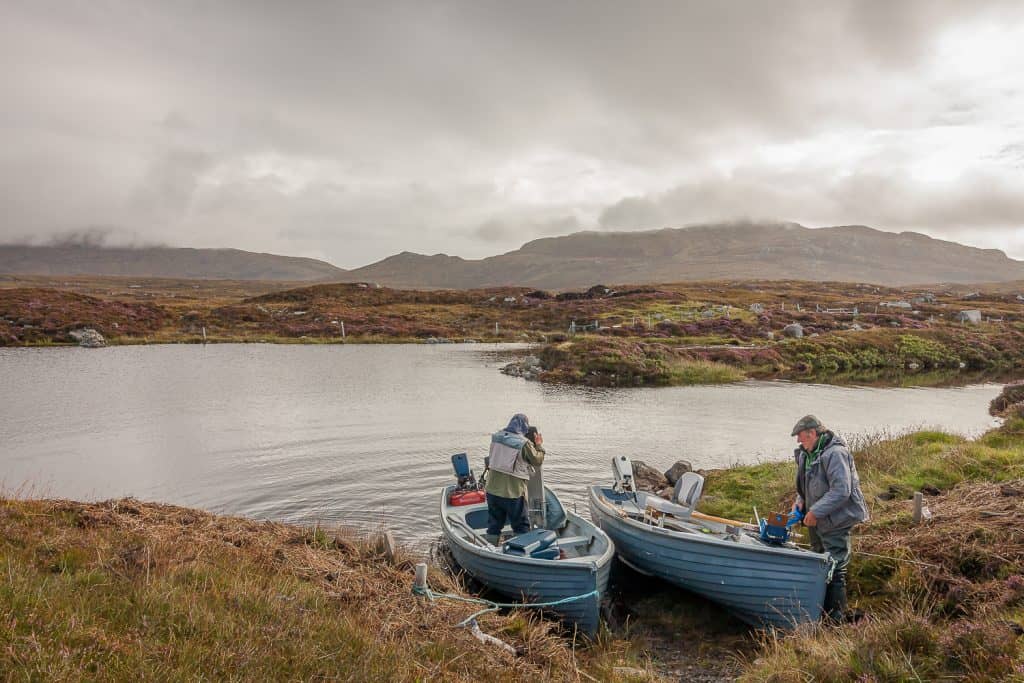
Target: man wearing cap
[[829, 495], [514, 450]]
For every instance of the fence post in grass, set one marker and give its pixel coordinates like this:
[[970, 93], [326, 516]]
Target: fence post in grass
[[918, 505], [204, 334], [388, 545], [342, 324], [420, 582]]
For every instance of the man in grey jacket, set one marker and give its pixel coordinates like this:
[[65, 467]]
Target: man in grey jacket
[[829, 495]]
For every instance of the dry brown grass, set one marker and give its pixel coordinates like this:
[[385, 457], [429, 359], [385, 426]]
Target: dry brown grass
[[124, 589]]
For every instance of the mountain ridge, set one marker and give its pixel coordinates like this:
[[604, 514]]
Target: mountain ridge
[[766, 251], [709, 251], [169, 262]]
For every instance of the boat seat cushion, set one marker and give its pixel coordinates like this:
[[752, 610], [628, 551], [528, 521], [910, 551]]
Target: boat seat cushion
[[665, 506], [569, 541], [688, 489], [530, 542], [549, 553]]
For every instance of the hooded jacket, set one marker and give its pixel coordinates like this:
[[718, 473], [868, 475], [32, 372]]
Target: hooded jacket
[[829, 486], [507, 485]]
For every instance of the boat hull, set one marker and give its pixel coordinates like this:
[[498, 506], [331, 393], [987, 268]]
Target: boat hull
[[531, 580], [763, 585]]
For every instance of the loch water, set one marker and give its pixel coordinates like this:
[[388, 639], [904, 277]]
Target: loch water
[[362, 434]]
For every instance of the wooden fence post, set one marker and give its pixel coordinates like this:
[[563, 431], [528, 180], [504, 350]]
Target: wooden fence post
[[918, 505]]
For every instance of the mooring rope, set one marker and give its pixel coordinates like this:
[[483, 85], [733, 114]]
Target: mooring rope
[[495, 606]]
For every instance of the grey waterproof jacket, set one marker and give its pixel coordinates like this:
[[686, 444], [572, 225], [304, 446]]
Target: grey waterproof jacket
[[830, 488]]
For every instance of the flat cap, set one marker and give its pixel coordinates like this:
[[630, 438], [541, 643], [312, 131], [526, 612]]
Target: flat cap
[[808, 422]]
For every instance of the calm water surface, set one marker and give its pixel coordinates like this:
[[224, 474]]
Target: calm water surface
[[362, 435]]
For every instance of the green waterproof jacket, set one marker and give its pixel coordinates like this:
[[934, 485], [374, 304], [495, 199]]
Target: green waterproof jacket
[[507, 486]]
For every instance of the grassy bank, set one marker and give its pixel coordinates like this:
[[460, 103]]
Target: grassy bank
[[124, 590], [944, 599]]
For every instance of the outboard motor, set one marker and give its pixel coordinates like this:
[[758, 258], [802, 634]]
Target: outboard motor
[[622, 469], [463, 473], [467, 490]]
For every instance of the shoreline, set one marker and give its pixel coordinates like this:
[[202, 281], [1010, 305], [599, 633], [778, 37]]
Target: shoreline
[[659, 335], [935, 608]]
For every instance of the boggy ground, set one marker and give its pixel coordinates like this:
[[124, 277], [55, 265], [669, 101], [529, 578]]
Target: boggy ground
[[127, 590], [687, 333]]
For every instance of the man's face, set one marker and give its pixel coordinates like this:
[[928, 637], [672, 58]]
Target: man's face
[[807, 438]]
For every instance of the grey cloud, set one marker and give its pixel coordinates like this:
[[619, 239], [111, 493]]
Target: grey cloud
[[894, 201], [168, 187], [515, 233], [86, 237], [399, 116]]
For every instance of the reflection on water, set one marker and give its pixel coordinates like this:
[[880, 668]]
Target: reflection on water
[[363, 434]]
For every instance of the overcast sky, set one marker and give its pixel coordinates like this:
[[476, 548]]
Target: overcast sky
[[351, 131]]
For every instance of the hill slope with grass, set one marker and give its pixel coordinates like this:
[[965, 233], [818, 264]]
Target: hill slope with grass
[[774, 251], [162, 262]]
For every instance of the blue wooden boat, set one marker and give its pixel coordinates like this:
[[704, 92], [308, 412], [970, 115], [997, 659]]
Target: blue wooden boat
[[763, 583], [565, 556]]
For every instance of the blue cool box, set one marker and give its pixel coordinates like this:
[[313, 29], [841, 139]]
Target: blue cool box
[[530, 542]]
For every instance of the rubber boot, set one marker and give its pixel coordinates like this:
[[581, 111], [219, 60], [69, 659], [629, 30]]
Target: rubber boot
[[492, 538], [835, 599]]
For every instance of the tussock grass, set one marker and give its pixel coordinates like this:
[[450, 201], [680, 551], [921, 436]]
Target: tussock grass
[[896, 646], [124, 590], [684, 372]]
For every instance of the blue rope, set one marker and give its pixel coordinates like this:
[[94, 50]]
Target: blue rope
[[495, 606]]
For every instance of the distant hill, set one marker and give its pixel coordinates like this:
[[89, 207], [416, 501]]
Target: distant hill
[[851, 253], [168, 262]]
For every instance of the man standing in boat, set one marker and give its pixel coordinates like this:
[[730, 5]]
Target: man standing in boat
[[829, 495], [511, 457]]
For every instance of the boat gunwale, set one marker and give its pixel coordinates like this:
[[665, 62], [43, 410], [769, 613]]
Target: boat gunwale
[[796, 553]]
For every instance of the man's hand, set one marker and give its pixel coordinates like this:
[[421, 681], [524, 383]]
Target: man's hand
[[538, 439], [810, 519]]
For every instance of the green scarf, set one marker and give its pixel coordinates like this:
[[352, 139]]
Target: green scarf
[[812, 457]]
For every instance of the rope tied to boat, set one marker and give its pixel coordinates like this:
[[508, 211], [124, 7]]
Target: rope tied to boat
[[425, 590]]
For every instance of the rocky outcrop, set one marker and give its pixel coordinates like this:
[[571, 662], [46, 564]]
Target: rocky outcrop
[[646, 478], [528, 368], [679, 469], [88, 338], [794, 330], [1012, 396]]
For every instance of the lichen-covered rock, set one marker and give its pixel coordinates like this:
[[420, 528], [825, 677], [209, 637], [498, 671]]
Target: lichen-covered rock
[[529, 368], [679, 469], [88, 338], [646, 478], [794, 330]]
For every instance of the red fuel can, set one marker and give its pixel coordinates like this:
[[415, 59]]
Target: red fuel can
[[466, 497]]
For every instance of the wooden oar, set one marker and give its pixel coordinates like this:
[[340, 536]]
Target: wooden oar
[[722, 520]]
